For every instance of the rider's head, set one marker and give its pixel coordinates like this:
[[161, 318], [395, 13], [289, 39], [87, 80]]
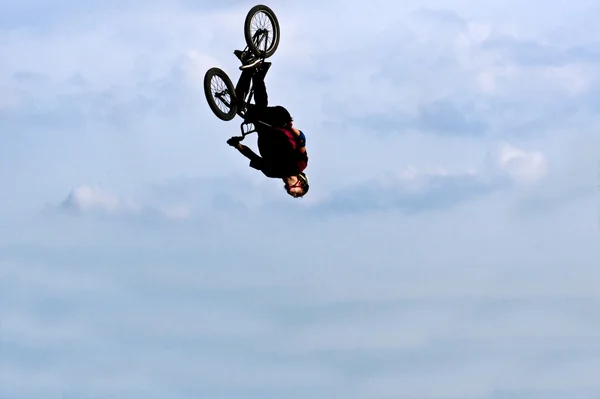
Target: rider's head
[[297, 186]]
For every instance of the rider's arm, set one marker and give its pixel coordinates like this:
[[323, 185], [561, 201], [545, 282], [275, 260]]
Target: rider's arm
[[248, 153], [300, 139]]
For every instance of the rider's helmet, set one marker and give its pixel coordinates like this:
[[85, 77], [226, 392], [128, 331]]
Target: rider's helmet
[[304, 180]]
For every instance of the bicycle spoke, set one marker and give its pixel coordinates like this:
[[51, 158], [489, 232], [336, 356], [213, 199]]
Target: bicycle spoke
[[263, 24], [219, 93]]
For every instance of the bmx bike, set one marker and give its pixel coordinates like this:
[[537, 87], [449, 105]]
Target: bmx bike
[[218, 87]]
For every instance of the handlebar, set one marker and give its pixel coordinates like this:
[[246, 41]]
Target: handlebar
[[249, 131]]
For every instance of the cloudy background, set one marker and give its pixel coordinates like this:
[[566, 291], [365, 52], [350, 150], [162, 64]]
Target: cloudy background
[[449, 247]]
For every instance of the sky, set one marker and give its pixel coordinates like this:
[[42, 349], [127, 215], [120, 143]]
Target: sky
[[448, 247]]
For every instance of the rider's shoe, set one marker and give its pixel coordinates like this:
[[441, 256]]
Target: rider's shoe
[[248, 59], [240, 54]]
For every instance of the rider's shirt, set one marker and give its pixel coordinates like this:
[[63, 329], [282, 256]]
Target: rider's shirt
[[280, 156]]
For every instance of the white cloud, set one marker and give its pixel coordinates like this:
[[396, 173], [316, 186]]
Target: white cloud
[[193, 65], [412, 172], [486, 81], [92, 200], [177, 212], [574, 78], [474, 35], [9, 98], [523, 166]]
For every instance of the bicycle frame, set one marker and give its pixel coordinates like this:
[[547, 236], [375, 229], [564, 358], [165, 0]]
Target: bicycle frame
[[260, 34]]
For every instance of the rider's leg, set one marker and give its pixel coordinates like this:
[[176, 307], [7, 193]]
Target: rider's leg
[[261, 99], [257, 77], [274, 116], [243, 85]]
